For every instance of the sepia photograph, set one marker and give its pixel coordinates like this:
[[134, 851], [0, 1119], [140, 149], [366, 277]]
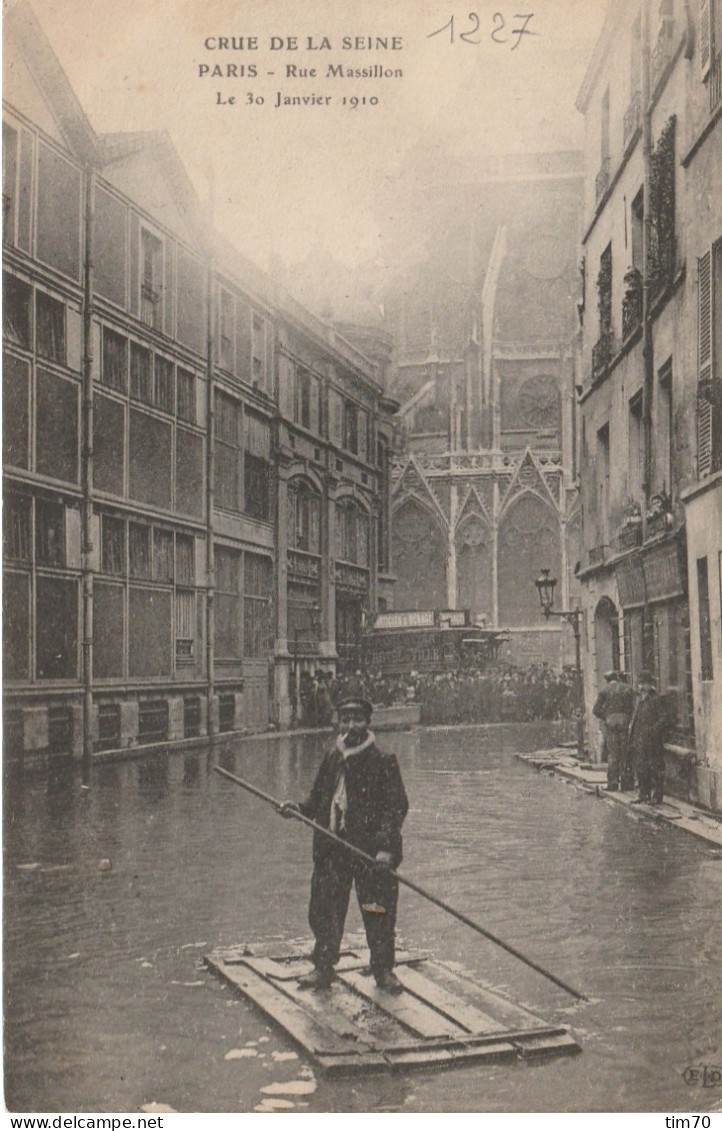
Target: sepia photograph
[[362, 559]]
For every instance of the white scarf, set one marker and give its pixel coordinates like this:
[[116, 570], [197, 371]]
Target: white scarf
[[339, 801]]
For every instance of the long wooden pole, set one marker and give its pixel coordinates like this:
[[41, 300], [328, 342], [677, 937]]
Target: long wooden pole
[[403, 880]]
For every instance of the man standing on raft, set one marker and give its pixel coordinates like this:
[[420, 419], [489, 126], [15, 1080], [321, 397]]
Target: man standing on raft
[[358, 794]]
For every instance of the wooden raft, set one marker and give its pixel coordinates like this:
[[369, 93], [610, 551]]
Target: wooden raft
[[442, 1018]]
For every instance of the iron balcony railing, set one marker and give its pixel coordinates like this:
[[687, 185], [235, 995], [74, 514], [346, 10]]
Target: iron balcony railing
[[601, 183], [633, 117], [601, 355]]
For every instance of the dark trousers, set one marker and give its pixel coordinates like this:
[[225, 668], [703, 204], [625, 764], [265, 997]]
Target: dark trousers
[[650, 776], [330, 891], [619, 766]]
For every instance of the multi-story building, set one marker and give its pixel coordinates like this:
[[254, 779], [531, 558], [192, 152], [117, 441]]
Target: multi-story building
[[172, 427], [651, 435], [485, 337]]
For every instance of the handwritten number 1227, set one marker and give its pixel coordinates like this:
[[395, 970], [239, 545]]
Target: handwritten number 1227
[[498, 34]]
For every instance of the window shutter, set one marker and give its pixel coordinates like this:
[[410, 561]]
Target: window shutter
[[704, 372], [705, 37], [315, 415], [705, 317], [704, 437]]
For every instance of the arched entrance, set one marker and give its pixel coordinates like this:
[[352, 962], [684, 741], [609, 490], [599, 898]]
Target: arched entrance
[[606, 638]]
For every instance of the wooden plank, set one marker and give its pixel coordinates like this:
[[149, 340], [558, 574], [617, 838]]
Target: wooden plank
[[419, 1058], [303, 1028], [288, 968], [507, 1013], [327, 1007], [412, 1014], [529, 1047], [454, 1008]]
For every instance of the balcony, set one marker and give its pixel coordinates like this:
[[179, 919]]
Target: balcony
[[149, 306], [633, 117], [351, 577], [304, 568], [662, 51], [658, 524], [601, 183], [602, 355], [629, 538], [715, 82]]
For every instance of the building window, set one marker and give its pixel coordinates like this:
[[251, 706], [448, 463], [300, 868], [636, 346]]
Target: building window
[[257, 597], [186, 393], [49, 533], [139, 550], [226, 331], [164, 393], [115, 360], [151, 251], [350, 427], [304, 518], [303, 398], [50, 327], [352, 533], [228, 465], [162, 555], [705, 620], [141, 385], [10, 173], [16, 527], [227, 604], [112, 546], [665, 428], [603, 486], [257, 474], [709, 386], [261, 351], [636, 449], [602, 351], [17, 300], [662, 251]]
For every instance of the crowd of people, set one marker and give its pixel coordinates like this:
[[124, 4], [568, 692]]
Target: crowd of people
[[499, 693]]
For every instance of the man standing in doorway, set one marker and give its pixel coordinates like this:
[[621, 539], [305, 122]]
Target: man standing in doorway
[[358, 794], [614, 707], [646, 740]]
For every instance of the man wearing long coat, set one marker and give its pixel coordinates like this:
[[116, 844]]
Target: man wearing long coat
[[359, 795], [615, 706], [646, 740]]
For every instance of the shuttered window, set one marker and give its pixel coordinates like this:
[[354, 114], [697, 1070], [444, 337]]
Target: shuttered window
[[709, 410]]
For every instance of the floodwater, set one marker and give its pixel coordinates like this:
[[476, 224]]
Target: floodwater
[[108, 1006]]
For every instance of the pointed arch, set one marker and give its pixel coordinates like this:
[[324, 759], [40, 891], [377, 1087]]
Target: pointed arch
[[529, 540], [419, 556]]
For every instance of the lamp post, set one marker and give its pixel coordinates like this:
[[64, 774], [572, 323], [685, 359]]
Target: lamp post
[[546, 586]]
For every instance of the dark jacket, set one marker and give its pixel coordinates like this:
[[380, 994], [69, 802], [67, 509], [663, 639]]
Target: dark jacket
[[376, 802], [615, 704], [646, 734]]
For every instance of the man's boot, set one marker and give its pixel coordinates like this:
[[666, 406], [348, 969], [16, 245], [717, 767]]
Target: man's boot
[[387, 980], [319, 978]]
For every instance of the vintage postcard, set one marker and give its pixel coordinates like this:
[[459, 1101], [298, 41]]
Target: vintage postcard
[[362, 466]]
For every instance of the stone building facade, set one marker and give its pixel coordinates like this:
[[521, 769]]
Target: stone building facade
[[485, 491], [194, 465], [651, 434]]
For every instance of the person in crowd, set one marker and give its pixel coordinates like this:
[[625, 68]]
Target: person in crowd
[[646, 740], [359, 795], [614, 707]]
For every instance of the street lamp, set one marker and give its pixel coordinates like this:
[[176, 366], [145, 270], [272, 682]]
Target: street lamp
[[546, 586]]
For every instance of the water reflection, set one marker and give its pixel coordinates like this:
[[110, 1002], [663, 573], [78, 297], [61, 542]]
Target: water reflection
[[107, 1008]]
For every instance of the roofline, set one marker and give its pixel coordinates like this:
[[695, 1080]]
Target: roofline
[[599, 54]]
